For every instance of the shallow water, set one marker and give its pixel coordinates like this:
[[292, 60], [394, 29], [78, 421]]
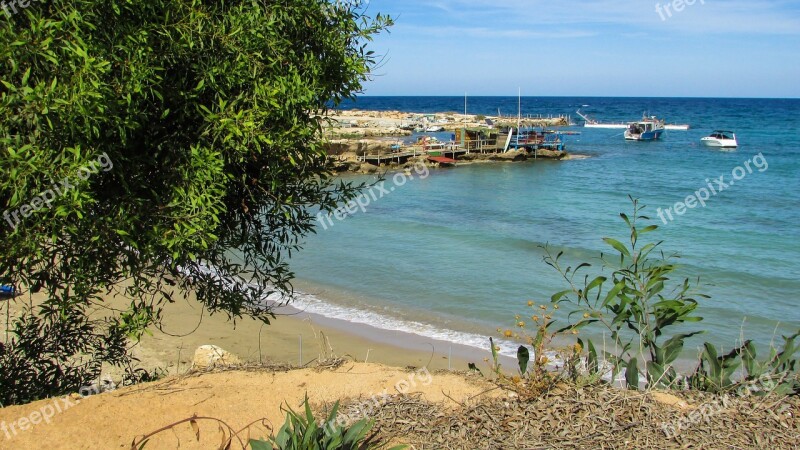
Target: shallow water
[[456, 254]]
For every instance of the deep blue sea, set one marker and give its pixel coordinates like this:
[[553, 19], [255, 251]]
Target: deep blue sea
[[457, 254]]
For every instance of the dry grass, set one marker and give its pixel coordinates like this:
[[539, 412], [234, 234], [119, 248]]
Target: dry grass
[[593, 417]]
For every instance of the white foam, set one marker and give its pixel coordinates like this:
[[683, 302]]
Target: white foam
[[313, 304]]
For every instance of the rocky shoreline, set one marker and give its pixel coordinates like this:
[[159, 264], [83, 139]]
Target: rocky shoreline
[[352, 135]]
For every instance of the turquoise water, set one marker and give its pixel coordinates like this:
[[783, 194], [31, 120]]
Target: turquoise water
[[456, 254]]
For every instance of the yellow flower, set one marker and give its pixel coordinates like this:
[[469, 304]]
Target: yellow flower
[[585, 315], [548, 317], [508, 333], [516, 379], [517, 317], [497, 348], [530, 303], [542, 307], [577, 348], [521, 324], [535, 318], [555, 306], [543, 360]]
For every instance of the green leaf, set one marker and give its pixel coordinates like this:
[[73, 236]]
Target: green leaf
[[674, 345], [750, 361], [592, 358], [559, 295], [596, 282], [632, 374], [523, 356], [495, 364], [655, 373], [617, 246], [260, 445]]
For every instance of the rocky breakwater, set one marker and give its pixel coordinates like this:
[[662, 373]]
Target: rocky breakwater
[[350, 148], [390, 166]]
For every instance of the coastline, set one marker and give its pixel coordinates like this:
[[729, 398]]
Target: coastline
[[186, 327]]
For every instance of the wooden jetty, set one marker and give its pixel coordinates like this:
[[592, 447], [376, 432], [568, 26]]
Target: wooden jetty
[[452, 150], [468, 141]]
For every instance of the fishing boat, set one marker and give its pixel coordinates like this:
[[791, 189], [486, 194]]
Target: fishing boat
[[720, 139], [646, 129]]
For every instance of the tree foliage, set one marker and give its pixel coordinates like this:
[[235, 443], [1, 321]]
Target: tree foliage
[[209, 113]]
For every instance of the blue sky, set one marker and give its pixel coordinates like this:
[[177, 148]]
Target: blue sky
[[712, 48]]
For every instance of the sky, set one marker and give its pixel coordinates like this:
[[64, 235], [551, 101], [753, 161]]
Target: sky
[[706, 48]]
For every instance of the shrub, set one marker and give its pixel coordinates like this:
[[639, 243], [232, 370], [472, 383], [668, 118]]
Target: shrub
[[301, 432]]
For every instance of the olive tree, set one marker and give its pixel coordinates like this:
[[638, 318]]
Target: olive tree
[[160, 147]]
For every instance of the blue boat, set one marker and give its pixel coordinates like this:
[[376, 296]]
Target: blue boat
[[647, 129], [7, 291]]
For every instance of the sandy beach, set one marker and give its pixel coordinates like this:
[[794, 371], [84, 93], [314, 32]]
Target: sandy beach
[[186, 327], [375, 361]]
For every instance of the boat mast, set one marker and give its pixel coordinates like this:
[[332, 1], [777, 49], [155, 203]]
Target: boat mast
[[519, 107]]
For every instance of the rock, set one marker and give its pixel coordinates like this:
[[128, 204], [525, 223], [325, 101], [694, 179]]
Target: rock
[[513, 155], [210, 355], [368, 168], [341, 166], [553, 154]]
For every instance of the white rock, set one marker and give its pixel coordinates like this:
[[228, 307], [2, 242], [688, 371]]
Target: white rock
[[211, 355]]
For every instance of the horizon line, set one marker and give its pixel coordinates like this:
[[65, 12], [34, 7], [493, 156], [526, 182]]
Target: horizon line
[[584, 96]]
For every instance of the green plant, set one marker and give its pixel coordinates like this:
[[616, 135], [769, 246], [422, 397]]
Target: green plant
[[639, 306], [301, 432], [532, 379], [778, 374]]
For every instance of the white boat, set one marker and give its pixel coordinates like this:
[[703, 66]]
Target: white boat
[[591, 123], [671, 126], [721, 139], [647, 129], [434, 129]]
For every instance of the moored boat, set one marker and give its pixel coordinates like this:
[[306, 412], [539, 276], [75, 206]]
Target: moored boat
[[646, 129], [588, 122], [720, 139]]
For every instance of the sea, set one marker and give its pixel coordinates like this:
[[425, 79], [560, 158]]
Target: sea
[[458, 254]]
